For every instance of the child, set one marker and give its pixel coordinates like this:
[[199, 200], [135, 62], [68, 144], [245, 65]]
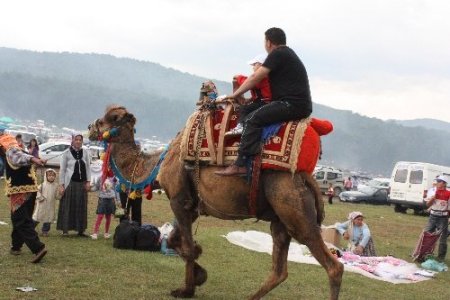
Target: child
[[106, 205], [330, 193], [261, 95], [46, 201]]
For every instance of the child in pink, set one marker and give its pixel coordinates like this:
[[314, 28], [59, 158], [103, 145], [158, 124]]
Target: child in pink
[[106, 206]]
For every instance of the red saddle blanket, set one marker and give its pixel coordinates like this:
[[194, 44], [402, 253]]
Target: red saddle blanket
[[296, 147]]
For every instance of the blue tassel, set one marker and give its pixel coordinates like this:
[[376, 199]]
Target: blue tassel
[[114, 132]]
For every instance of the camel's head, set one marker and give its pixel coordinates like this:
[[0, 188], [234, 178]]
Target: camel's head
[[117, 124]]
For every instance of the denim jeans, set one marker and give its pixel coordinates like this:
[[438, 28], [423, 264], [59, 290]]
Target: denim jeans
[[438, 223]]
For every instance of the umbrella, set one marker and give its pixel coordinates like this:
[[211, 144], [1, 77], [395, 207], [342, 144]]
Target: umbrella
[[6, 120]]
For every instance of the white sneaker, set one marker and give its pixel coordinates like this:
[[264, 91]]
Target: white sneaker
[[106, 235], [236, 130], [94, 236]]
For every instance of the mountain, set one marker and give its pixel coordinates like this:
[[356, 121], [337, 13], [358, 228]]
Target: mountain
[[426, 123], [70, 89]]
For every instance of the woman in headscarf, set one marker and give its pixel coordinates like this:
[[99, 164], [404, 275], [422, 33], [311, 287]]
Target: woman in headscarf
[[33, 148], [74, 179], [358, 234]]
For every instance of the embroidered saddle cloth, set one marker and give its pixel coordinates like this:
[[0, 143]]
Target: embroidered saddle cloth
[[296, 146]]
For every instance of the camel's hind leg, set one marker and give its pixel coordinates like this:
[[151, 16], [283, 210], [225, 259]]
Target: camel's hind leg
[[182, 241], [281, 240], [294, 204]]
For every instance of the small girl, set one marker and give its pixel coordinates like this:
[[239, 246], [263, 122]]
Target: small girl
[[46, 201], [330, 193], [106, 206]]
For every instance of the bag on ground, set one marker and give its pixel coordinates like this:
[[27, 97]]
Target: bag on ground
[[125, 235], [147, 238]]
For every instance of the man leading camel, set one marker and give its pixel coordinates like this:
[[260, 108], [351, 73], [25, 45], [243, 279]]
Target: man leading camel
[[291, 97]]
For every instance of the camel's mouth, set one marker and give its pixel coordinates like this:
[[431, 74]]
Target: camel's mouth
[[94, 131]]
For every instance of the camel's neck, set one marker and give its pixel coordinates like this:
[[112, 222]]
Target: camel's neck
[[134, 165]]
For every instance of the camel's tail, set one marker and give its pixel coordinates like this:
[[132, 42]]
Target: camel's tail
[[312, 184]]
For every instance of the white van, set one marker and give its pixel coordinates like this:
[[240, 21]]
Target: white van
[[410, 182], [325, 175]]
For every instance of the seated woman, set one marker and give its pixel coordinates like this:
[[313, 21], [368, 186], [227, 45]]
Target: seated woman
[[358, 234]]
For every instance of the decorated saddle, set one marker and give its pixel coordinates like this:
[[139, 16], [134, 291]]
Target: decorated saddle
[[295, 147]]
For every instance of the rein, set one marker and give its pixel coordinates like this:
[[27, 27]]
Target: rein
[[130, 183]]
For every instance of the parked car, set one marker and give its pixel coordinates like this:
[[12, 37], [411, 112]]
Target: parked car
[[52, 151], [376, 182], [326, 175], [26, 135], [367, 194]]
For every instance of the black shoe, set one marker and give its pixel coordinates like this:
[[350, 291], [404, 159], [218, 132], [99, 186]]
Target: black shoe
[[38, 256], [15, 252]]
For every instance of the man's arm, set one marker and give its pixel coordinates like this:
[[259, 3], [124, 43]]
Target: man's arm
[[251, 81]]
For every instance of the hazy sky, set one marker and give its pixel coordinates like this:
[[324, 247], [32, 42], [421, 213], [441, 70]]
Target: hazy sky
[[383, 58]]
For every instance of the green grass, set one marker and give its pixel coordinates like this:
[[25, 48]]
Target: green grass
[[80, 268]]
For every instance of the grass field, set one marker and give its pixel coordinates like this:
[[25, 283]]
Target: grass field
[[81, 268]]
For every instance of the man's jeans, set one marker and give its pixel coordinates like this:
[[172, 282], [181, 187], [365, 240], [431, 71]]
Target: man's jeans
[[438, 223]]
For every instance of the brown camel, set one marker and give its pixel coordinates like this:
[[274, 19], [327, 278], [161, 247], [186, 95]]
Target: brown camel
[[292, 204]]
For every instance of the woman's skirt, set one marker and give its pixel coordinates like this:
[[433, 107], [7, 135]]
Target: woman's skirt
[[369, 250], [72, 212]]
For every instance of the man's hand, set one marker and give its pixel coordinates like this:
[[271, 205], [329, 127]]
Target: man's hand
[[38, 161]]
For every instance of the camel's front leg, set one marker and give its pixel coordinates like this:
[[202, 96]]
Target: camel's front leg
[[182, 241], [281, 240]]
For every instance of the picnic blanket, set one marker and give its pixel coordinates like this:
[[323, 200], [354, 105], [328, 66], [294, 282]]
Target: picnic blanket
[[385, 268]]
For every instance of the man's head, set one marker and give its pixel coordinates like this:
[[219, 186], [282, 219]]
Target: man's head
[[274, 37], [19, 138], [442, 181]]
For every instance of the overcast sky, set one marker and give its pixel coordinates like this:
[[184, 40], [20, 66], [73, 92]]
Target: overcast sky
[[388, 59]]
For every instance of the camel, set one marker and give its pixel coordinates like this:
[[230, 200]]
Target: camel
[[291, 203]]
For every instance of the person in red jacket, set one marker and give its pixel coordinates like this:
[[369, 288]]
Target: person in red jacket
[[261, 94], [439, 206]]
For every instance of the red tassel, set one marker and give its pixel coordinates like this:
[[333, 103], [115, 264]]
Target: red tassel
[[148, 190]]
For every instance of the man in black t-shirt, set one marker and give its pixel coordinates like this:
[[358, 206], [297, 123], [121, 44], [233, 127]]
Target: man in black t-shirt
[[291, 97]]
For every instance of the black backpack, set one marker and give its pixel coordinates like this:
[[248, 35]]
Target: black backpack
[[147, 238], [125, 235]]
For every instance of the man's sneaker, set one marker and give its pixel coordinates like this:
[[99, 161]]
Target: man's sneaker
[[94, 236], [15, 252], [236, 130], [106, 235]]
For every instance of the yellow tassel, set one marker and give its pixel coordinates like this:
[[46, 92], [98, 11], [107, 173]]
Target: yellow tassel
[[132, 195], [106, 135], [123, 187]]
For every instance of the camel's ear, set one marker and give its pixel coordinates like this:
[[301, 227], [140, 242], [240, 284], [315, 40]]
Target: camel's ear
[[130, 119]]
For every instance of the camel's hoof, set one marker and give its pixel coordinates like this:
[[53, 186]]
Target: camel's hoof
[[200, 275], [182, 293]]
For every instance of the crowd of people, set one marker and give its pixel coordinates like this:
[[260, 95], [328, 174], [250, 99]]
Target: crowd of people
[[33, 204]]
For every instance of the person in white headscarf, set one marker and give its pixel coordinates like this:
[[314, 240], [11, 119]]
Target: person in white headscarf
[[358, 234], [74, 180]]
